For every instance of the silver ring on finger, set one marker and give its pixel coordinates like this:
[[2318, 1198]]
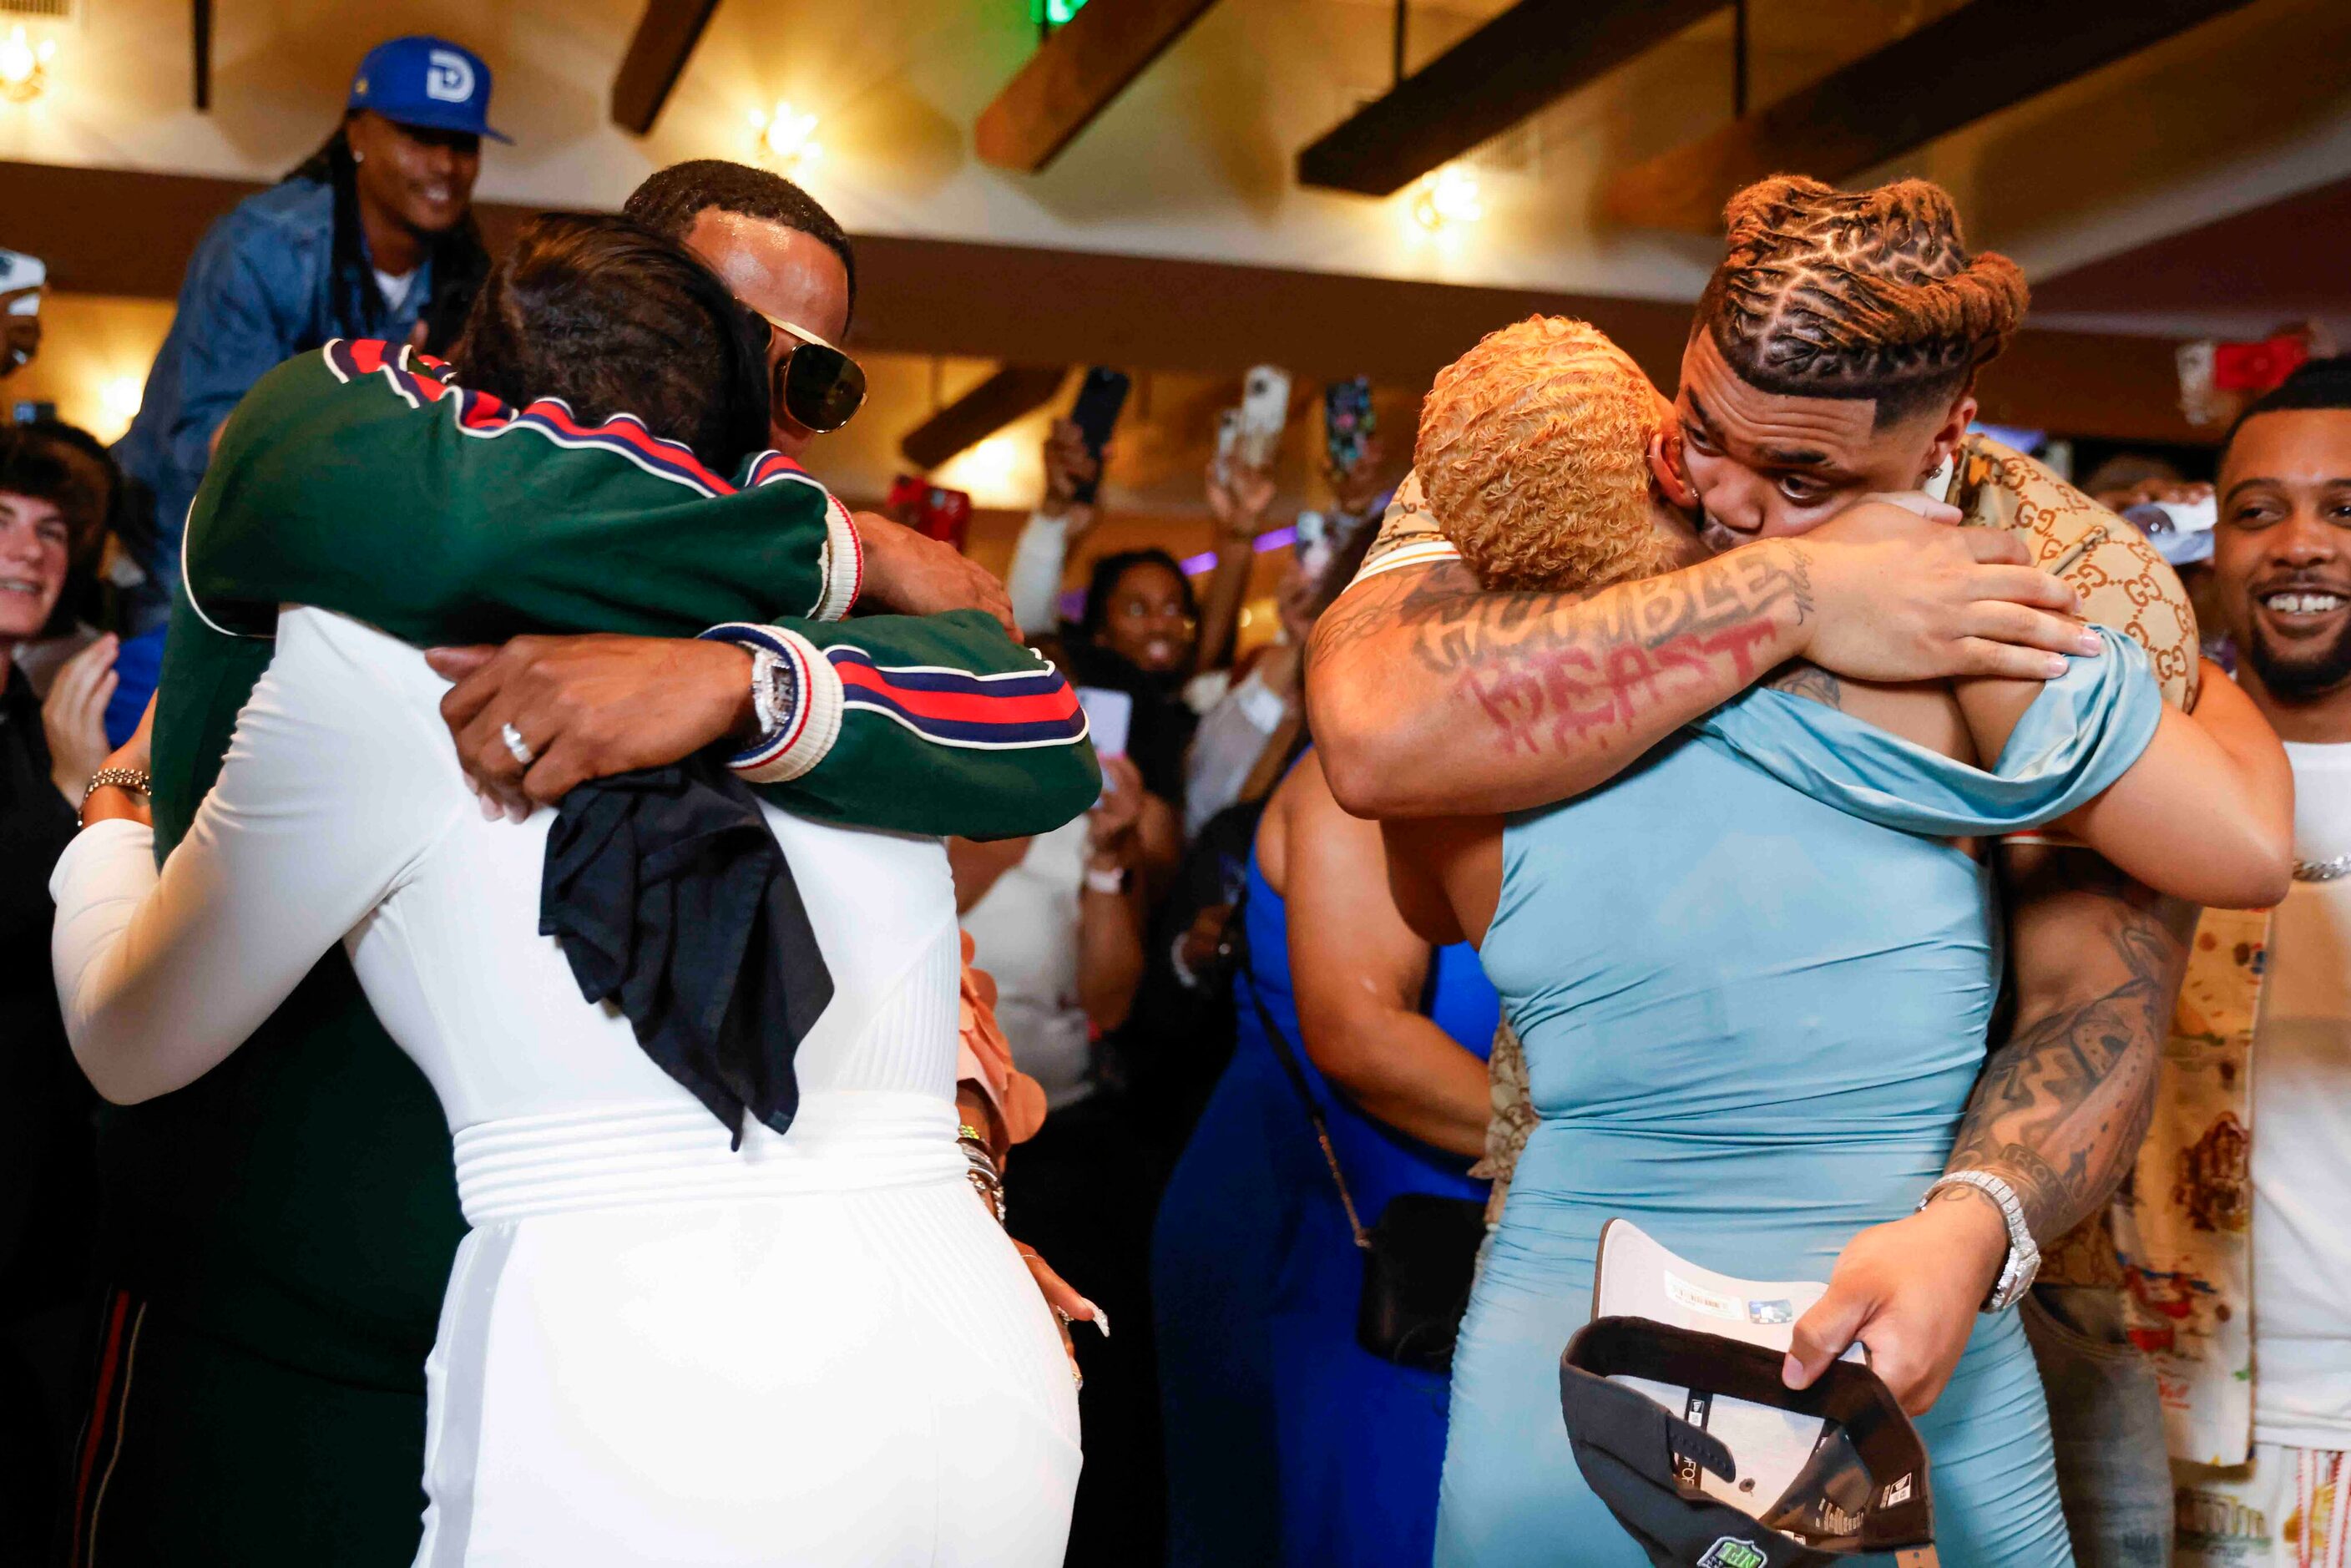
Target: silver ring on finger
[[518, 746]]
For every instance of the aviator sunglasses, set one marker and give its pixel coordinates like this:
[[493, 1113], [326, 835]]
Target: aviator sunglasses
[[817, 384]]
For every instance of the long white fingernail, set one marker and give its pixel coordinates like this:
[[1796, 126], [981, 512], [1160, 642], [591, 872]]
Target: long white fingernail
[[1097, 1317]]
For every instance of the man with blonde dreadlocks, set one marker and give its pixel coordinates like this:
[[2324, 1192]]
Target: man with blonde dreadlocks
[[1832, 359]]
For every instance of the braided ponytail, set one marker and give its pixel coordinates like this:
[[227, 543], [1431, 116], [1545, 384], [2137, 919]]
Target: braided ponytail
[[1862, 294]]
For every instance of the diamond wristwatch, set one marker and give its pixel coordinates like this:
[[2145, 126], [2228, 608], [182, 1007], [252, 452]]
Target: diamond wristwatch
[[2023, 1261], [775, 693]]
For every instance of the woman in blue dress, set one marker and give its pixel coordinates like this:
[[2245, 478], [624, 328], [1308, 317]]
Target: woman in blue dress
[[1286, 1442], [1752, 976]]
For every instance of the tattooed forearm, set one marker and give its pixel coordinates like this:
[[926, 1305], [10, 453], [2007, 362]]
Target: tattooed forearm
[[2064, 1101], [1569, 671]]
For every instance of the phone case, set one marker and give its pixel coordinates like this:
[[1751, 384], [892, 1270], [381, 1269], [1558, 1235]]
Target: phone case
[[1265, 410], [1348, 422], [1101, 399]]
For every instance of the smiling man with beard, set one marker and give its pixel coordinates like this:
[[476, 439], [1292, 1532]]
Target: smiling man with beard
[[2235, 1248]]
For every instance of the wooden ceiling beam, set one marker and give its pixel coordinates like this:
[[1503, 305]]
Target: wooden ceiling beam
[[129, 233], [656, 57], [1534, 53], [1969, 63], [1011, 392], [1075, 74]]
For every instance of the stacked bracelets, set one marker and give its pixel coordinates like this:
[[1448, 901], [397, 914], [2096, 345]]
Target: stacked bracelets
[[134, 779], [979, 1169]]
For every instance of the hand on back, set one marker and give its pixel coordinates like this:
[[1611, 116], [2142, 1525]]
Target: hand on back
[[1899, 593], [586, 707], [912, 574]]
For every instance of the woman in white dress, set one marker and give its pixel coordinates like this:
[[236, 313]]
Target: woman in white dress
[[817, 1349]]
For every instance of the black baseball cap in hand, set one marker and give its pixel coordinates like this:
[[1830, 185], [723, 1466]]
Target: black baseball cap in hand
[[1864, 1490]]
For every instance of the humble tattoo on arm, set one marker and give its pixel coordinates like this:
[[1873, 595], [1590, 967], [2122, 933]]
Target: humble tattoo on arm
[[1556, 670], [2065, 1100]]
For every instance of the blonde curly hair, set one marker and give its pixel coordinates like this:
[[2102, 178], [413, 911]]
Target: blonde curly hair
[[1533, 458]]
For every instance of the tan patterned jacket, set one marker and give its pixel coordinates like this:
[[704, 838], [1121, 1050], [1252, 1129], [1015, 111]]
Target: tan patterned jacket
[[2182, 1237]]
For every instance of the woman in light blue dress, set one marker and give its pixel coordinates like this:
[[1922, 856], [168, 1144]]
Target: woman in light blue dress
[[1752, 974], [1764, 1052]]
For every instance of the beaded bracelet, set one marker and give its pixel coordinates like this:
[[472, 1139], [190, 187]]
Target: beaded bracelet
[[134, 779]]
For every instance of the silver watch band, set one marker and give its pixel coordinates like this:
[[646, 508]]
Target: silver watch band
[[2023, 1261], [775, 695]]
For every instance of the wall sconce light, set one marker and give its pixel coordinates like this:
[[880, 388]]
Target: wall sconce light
[[1448, 196], [23, 66], [786, 138]]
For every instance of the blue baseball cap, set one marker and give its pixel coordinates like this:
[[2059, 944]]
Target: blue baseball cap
[[429, 82]]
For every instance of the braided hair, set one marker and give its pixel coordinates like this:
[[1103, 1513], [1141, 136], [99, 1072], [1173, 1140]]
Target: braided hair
[[614, 318], [1857, 294], [458, 258]]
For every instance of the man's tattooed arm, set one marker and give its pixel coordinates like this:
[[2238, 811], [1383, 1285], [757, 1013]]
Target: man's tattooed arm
[[2065, 1098], [1430, 696]]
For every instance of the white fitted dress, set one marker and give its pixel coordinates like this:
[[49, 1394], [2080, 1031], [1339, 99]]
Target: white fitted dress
[[816, 1350]]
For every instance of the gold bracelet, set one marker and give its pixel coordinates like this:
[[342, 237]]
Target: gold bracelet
[[134, 779], [990, 1190]]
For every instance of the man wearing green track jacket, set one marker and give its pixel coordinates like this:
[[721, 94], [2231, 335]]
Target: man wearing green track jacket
[[277, 1235]]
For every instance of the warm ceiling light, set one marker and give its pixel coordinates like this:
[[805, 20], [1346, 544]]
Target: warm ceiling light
[[24, 68], [120, 397], [990, 471], [787, 137], [1448, 196]]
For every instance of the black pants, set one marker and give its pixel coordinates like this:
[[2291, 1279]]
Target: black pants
[[1082, 1193], [201, 1451]]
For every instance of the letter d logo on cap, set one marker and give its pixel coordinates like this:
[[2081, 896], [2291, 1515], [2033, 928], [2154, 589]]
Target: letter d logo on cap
[[449, 77]]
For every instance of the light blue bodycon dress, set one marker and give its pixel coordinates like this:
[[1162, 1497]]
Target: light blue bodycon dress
[[1752, 976]]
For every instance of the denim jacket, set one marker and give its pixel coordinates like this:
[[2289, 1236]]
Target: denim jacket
[[259, 290]]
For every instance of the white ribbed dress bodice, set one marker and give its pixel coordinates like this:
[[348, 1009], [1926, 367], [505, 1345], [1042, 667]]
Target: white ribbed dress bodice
[[340, 813]]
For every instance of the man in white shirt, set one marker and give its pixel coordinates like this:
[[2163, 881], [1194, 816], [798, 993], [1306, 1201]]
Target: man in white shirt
[[2278, 1493]]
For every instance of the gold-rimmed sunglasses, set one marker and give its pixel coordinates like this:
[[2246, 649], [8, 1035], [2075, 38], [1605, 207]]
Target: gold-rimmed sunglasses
[[820, 386]]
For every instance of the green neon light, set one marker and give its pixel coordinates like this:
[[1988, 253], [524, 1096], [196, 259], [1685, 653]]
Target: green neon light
[[1053, 13]]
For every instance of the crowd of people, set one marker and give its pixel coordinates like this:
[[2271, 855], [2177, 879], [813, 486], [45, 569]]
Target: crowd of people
[[667, 1026]]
